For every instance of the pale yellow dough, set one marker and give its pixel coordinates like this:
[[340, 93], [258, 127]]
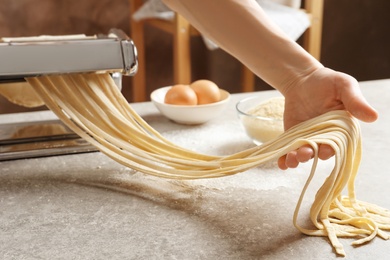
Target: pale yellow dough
[[21, 93], [93, 107]]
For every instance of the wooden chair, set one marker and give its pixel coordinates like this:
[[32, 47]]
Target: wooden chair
[[182, 31]]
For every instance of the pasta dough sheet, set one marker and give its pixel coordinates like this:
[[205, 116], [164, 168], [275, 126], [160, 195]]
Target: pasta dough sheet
[[93, 107], [21, 93]]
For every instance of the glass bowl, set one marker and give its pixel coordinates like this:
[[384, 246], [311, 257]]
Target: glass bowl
[[261, 118]]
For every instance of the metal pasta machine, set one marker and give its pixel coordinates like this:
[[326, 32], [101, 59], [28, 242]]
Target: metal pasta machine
[[45, 55]]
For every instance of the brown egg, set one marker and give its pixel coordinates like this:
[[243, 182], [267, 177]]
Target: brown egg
[[181, 95], [206, 91]]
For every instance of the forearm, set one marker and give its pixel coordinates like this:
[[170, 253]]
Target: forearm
[[241, 28]]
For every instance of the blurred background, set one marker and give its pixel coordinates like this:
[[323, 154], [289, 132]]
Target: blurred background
[[355, 39]]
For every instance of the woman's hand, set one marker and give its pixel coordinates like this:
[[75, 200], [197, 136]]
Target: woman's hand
[[309, 89], [321, 91]]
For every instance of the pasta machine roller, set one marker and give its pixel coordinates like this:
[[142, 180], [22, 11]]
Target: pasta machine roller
[[23, 57], [43, 55]]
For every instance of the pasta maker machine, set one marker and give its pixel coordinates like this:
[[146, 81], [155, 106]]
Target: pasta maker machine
[[24, 57]]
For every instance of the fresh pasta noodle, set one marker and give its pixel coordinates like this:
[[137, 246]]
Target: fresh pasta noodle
[[93, 107]]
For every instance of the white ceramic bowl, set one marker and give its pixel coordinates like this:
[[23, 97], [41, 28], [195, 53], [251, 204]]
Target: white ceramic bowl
[[259, 128], [189, 115]]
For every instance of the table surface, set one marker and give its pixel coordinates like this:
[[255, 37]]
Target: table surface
[[87, 206]]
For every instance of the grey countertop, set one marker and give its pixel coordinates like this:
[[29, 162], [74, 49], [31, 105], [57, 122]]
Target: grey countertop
[[87, 206]]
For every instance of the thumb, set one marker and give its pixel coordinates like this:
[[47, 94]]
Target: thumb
[[356, 104]]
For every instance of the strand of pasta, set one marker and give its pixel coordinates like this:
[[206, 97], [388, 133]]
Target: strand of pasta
[[93, 107]]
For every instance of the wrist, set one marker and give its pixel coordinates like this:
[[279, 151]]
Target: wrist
[[295, 69]]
